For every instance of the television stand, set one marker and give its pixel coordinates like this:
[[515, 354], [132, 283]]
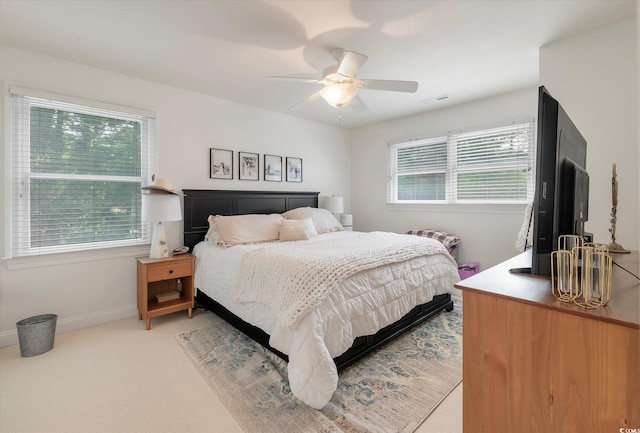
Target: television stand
[[530, 362]]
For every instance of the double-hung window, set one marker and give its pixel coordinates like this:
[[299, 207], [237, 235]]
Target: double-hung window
[[492, 165], [76, 172]]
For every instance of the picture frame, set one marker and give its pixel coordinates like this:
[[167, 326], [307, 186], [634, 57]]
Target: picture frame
[[248, 166], [220, 164], [272, 168], [294, 169]]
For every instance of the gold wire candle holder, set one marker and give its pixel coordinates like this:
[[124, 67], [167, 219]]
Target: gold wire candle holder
[[595, 278], [581, 273], [569, 242], [597, 246], [562, 281]]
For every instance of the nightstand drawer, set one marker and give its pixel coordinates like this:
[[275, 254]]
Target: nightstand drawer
[[170, 270]]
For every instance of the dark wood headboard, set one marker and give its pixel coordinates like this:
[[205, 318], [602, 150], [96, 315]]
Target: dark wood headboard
[[200, 203]]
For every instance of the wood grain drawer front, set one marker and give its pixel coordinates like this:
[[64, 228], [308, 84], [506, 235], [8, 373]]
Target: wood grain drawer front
[[168, 271]]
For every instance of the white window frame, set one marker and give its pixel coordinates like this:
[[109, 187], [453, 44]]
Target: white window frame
[[19, 175], [452, 170]]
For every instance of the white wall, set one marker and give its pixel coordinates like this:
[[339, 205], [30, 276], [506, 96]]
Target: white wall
[[595, 78], [487, 234], [101, 288]]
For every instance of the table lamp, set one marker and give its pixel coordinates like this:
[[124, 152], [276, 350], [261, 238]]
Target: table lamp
[[160, 202], [333, 204]]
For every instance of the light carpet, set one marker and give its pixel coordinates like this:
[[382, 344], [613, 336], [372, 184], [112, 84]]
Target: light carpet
[[391, 390]]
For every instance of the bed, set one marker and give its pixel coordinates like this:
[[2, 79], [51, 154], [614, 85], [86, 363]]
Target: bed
[[312, 378]]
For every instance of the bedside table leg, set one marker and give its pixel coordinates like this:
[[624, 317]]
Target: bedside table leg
[[139, 316], [148, 323], [190, 312]]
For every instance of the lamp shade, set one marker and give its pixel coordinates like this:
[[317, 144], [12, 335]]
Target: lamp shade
[[157, 208], [334, 204], [161, 207]]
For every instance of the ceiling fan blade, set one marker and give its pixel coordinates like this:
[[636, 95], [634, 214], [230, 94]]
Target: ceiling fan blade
[[358, 105], [300, 79], [391, 85], [305, 101], [350, 63]]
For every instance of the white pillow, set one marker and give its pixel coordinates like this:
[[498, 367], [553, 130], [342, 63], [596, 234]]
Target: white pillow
[[323, 220], [297, 230], [247, 229], [304, 224]]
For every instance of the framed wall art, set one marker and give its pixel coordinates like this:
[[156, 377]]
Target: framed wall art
[[294, 169], [273, 168], [248, 166], [221, 164]]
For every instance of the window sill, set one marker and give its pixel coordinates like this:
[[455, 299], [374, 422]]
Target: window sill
[[75, 257], [485, 208]]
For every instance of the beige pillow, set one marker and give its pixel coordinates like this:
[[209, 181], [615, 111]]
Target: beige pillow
[[297, 230], [212, 233], [323, 220], [247, 229], [293, 234]]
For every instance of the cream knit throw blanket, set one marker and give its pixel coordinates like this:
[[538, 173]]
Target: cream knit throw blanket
[[295, 277]]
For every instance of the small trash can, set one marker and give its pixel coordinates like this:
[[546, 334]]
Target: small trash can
[[36, 334]]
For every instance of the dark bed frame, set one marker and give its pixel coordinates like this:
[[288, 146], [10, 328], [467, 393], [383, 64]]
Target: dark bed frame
[[199, 204]]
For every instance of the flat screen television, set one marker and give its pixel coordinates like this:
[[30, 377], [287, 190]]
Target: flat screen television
[[561, 199]]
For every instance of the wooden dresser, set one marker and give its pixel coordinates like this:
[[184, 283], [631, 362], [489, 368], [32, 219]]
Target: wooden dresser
[[532, 364]]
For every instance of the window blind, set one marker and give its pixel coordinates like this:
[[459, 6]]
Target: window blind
[[494, 165], [421, 170], [490, 165], [76, 174]]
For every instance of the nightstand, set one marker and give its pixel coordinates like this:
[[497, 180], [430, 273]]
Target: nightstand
[[158, 282]]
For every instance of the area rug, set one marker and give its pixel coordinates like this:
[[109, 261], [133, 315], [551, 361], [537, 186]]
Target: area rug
[[394, 389]]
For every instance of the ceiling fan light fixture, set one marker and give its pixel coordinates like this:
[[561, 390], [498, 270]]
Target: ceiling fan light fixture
[[339, 95], [331, 75], [341, 85]]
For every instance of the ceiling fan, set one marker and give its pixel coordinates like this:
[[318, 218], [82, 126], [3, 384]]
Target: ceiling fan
[[341, 85]]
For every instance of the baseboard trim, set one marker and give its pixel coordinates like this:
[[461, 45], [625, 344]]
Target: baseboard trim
[[9, 338]]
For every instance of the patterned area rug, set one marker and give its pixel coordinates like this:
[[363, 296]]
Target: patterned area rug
[[392, 390]]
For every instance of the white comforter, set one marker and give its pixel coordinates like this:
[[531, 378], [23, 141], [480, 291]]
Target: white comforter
[[362, 304]]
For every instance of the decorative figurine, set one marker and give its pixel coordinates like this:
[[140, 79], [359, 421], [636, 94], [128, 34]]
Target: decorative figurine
[[613, 246]]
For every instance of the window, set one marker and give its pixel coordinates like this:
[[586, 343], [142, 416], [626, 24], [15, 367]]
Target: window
[[485, 166], [76, 174]]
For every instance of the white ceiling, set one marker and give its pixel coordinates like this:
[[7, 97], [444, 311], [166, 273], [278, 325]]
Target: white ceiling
[[464, 49]]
